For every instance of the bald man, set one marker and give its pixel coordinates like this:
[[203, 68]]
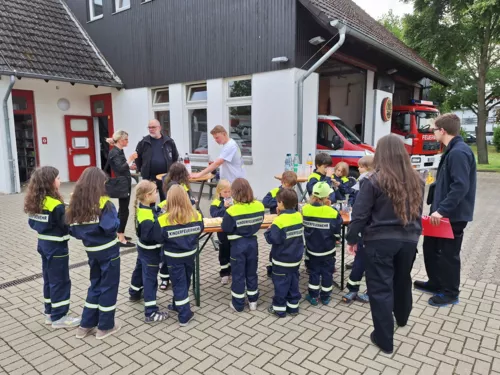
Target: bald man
[[156, 153]]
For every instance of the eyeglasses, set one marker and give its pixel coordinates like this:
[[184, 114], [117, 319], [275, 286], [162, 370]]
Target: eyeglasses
[[153, 127], [435, 129]]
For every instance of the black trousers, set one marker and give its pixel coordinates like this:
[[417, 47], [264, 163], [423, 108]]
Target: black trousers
[[159, 185], [388, 267], [123, 212], [442, 261]]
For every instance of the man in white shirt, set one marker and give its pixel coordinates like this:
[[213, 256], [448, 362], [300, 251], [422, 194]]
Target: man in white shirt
[[229, 160]]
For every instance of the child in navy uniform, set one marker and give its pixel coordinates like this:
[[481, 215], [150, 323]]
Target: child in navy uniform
[[218, 208], [365, 166], [94, 220], [286, 237], [288, 181], [179, 229], [322, 162], [45, 207], [342, 182], [241, 222], [322, 225]]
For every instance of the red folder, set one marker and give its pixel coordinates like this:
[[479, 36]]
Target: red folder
[[443, 230]]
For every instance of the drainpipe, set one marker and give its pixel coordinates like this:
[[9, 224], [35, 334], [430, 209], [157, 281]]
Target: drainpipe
[[300, 83], [11, 159]]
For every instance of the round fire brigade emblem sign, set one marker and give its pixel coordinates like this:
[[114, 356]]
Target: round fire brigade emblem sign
[[386, 109]]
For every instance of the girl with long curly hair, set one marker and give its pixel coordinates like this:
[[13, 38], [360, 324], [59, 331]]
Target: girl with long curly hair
[[45, 207], [387, 214], [94, 220]]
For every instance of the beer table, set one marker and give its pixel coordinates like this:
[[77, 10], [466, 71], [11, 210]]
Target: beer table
[[300, 181], [209, 231]]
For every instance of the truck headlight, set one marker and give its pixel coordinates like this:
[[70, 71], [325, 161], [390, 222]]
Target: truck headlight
[[416, 160]]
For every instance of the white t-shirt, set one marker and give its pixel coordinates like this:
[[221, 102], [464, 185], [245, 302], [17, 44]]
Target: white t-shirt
[[232, 168]]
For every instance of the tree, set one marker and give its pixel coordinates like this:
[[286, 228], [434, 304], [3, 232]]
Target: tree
[[462, 39], [393, 23]]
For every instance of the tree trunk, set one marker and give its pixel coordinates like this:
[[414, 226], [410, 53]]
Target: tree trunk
[[482, 112]]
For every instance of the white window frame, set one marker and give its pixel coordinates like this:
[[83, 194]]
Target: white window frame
[[190, 105], [92, 16], [160, 107], [145, 1], [241, 101], [118, 9], [155, 92]]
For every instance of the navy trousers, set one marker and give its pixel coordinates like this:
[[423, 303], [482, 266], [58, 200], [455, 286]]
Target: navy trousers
[[224, 257], [136, 284], [180, 275], [100, 306], [358, 269], [286, 290], [321, 275], [388, 267], [56, 281], [164, 271], [244, 262], [150, 264]]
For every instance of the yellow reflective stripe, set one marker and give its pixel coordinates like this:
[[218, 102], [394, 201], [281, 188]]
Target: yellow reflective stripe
[[103, 201], [274, 192], [236, 295], [216, 202], [235, 237], [163, 276], [91, 305], [315, 175], [180, 255], [292, 306], [327, 289], [223, 267], [321, 212], [103, 247], [107, 309], [350, 282], [183, 302], [344, 179], [150, 303], [322, 254], [148, 247], [59, 304], [283, 264], [252, 292], [53, 238], [288, 220], [279, 308], [162, 204], [137, 289], [46, 300], [239, 209], [61, 256], [144, 214], [50, 203], [313, 287]]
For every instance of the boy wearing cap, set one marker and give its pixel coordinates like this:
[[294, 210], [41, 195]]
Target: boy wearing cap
[[322, 225]]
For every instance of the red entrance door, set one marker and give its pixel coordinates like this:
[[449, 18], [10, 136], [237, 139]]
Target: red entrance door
[[80, 144]]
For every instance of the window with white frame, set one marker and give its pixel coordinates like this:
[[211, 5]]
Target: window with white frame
[[196, 105], [239, 109], [95, 9], [161, 108], [121, 5]]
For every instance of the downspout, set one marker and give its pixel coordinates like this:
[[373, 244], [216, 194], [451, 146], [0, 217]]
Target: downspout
[[300, 82], [11, 159]]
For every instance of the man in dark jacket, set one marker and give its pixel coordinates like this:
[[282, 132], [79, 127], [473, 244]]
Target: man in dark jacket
[[452, 196], [156, 153]]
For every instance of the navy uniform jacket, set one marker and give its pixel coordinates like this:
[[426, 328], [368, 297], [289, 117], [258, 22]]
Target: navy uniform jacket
[[101, 233], [53, 233], [345, 187], [217, 209], [316, 177], [322, 225], [269, 200], [243, 220], [180, 241], [286, 237], [145, 218], [171, 183]]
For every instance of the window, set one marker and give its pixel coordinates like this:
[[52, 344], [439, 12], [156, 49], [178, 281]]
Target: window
[[239, 109], [121, 5], [161, 96], [347, 133], [196, 105], [95, 9], [164, 118], [197, 93], [401, 120], [425, 120], [161, 108]]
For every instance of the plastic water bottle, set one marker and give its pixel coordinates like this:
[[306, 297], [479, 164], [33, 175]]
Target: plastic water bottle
[[296, 163], [187, 163], [288, 162], [309, 164]]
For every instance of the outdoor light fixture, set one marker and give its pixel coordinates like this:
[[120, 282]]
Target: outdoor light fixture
[[316, 40], [280, 59], [391, 71], [63, 104]]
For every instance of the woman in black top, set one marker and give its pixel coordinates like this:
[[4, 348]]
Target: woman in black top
[[121, 167], [387, 215]]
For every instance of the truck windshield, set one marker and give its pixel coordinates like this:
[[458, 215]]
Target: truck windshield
[[425, 120], [347, 133]]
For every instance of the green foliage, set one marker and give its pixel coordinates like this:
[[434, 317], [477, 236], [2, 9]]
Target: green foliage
[[463, 133], [394, 23], [496, 138]]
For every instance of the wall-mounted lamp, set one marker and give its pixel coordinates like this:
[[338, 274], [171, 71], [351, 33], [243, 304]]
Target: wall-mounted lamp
[[391, 71], [316, 40], [281, 59]]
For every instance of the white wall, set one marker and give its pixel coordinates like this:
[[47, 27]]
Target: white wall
[[380, 127], [310, 114], [369, 108], [5, 165], [346, 98]]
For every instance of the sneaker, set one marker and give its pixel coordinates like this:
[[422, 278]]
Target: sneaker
[[349, 266], [372, 339], [126, 244], [164, 284], [311, 300], [48, 320], [325, 301], [252, 306], [232, 307], [440, 300], [224, 280], [296, 313], [172, 308], [349, 297], [102, 334], [363, 297], [424, 287], [135, 297], [187, 322], [128, 238], [66, 322], [156, 317], [83, 332], [271, 311]]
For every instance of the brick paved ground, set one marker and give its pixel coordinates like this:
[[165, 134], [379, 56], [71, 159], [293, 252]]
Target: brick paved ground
[[321, 340]]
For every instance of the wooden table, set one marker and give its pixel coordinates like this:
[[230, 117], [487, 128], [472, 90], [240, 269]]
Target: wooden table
[[202, 180], [300, 181]]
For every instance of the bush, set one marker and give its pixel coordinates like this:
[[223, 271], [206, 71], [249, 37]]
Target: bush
[[463, 133], [496, 138]]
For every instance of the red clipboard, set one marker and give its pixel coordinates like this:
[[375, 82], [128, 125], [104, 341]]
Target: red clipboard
[[443, 230]]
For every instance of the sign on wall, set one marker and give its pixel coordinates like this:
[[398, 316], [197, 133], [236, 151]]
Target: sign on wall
[[386, 109]]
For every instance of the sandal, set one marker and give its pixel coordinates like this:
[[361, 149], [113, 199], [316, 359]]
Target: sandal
[[164, 284]]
